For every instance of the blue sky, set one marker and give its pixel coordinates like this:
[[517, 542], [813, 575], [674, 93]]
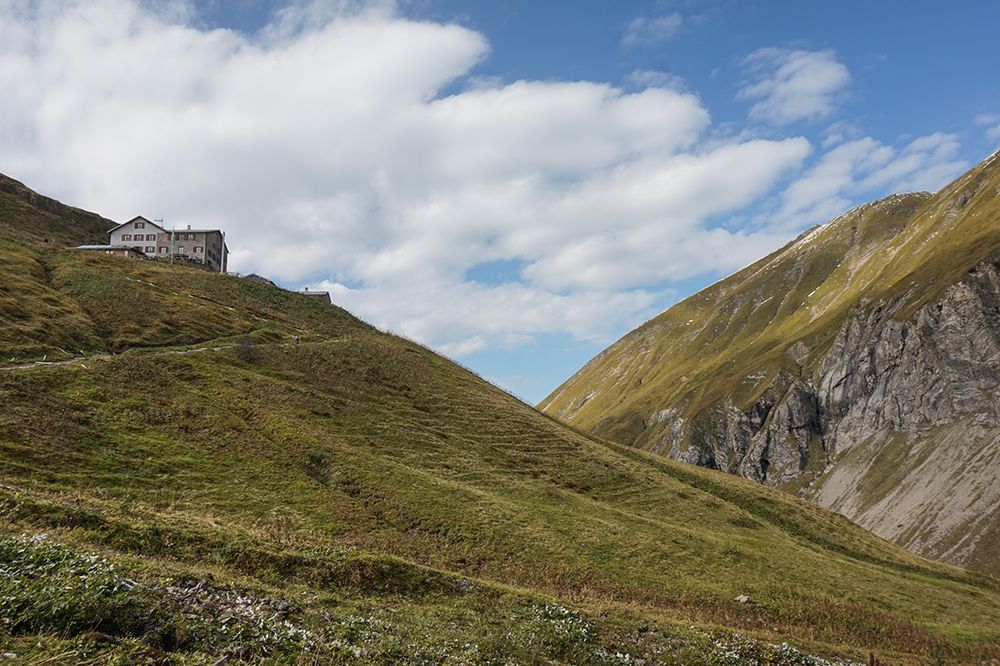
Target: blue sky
[[516, 184]]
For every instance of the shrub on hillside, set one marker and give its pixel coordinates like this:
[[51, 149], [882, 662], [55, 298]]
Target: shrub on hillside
[[51, 586]]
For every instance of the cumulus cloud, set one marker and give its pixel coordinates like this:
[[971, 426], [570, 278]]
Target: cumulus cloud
[[991, 122], [644, 78], [470, 317], [791, 86], [645, 31], [324, 147], [863, 166]]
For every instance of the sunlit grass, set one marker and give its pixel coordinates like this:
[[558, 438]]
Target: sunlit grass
[[373, 483]]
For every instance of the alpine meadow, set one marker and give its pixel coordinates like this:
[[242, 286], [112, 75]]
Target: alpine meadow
[[199, 468]]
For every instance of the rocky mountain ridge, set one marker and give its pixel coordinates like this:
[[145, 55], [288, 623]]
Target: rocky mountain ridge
[[858, 367]]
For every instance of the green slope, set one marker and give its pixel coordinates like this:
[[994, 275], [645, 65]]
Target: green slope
[[371, 482], [33, 218]]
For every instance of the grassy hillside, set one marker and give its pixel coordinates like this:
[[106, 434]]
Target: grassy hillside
[[182, 481], [33, 218], [409, 511], [58, 305]]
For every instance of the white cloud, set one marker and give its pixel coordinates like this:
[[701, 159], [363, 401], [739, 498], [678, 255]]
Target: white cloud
[[469, 317], [324, 149], [656, 210], [794, 86], [839, 132], [642, 78], [866, 167], [991, 122], [644, 31], [927, 163]]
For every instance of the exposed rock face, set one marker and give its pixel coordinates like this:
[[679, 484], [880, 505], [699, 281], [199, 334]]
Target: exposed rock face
[[780, 452], [769, 443], [927, 387], [923, 395], [938, 366]]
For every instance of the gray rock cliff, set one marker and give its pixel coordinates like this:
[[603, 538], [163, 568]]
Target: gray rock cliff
[[911, 392]]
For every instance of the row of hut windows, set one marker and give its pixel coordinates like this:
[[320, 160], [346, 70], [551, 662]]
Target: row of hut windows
[[149, 237]]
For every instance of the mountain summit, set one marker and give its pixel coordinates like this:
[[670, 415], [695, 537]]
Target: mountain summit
[[858, 367]]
